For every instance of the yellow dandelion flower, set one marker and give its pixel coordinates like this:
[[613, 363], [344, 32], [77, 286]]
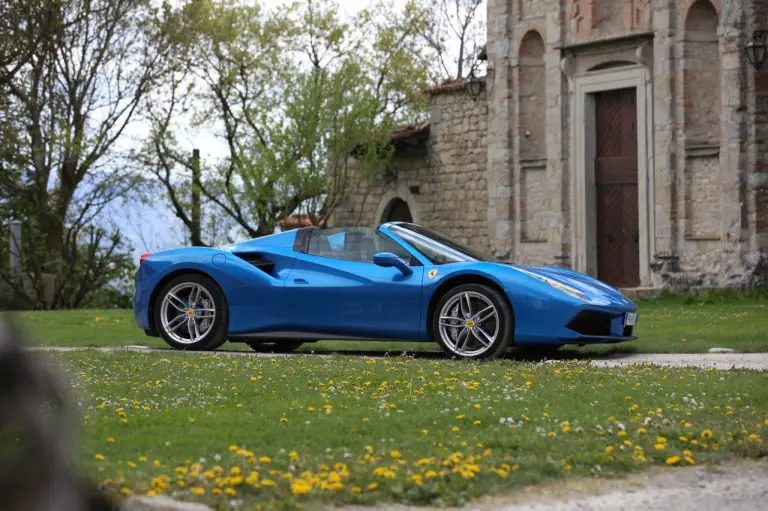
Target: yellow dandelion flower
[[130, 464], [198, 491], [110, 440], [689, 460], [268, 483], [673, 460], [230, 491], [283, 419], [301, 486], [659, 447], [99, 457], [706, 434], [355, 489], [265, 459], [372, 486], [417, 479], [216, 491], [142, 459], [609, 449]]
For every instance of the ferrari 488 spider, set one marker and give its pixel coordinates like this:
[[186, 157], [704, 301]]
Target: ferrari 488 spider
[[399, 281]]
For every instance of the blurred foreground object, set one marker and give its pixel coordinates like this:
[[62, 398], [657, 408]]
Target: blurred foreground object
[[37, 458]]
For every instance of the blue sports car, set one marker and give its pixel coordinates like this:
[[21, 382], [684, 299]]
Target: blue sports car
[[399, 281]]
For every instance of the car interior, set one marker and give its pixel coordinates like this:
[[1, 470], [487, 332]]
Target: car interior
[[357, 245]]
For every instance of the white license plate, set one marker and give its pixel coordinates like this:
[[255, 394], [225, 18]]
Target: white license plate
[[630, 319]]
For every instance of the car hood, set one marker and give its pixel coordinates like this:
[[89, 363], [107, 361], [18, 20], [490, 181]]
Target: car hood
[[596, 290]]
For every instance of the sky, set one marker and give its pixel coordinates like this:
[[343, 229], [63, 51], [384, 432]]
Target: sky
[[153, 227]]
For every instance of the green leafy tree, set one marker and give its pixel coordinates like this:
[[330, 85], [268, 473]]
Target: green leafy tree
[[72, 80], [299, 98]]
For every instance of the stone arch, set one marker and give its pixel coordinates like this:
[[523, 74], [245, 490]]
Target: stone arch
[[701, 74], [394, 198], [397, 211], [531, 88]]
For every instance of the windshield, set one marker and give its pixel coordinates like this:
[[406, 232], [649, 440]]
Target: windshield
[[436, 247]]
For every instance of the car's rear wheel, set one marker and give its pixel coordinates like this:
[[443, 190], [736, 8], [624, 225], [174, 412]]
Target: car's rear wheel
[[191, 313], [286, 346], [473, 321]]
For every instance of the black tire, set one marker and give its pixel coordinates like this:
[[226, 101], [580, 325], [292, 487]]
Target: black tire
[[214, 336], [285, 346], [537, 350], [504, 320]]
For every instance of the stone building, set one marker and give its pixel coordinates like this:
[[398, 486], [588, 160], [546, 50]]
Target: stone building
[[626, 139]]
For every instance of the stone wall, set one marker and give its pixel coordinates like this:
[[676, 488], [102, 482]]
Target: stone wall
[[442, 179]]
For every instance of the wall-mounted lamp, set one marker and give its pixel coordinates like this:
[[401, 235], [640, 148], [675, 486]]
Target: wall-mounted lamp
[[756, 49], [473, 85]]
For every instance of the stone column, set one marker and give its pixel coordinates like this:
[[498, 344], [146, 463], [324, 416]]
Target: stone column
[[733, 131], [500, 128], [557, 137], [668, 155]]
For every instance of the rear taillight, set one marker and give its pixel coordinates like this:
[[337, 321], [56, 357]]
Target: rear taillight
[[144, 256]]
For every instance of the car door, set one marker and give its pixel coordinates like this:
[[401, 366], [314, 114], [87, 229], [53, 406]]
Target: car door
[[335, 289]]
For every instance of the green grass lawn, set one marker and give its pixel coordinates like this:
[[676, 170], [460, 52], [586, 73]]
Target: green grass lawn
[[277, 432], [666, 325]]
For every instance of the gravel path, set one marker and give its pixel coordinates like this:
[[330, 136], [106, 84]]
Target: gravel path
[[755, 361], [758, 361], [743, 488]]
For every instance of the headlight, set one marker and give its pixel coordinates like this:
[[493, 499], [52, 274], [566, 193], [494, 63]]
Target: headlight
[[565, 288]]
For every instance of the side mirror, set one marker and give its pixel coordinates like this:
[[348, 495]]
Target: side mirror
[[388, 260]]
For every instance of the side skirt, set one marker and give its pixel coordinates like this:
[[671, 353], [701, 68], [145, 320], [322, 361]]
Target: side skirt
[[309, 336]]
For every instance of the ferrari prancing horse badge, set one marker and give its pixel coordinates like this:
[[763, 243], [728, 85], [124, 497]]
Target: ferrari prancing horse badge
[[432, 274]]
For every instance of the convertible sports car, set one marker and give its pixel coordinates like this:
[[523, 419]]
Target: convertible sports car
[[399, 281]]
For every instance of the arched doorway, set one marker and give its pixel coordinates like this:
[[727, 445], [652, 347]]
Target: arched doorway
[[397, 211]]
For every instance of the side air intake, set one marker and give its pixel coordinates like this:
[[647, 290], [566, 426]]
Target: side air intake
[[257, 259]]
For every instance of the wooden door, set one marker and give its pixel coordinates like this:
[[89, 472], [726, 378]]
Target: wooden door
[[618, 230]]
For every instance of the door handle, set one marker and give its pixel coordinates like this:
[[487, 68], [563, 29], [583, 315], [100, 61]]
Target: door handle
[[300, 281]]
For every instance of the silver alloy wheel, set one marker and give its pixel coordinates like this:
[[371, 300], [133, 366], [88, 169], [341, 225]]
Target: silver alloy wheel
[[187, 313], [469, 324]]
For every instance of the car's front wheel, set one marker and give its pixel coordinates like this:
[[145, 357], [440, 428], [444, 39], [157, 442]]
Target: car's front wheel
[[191, 313], [473, 321]]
